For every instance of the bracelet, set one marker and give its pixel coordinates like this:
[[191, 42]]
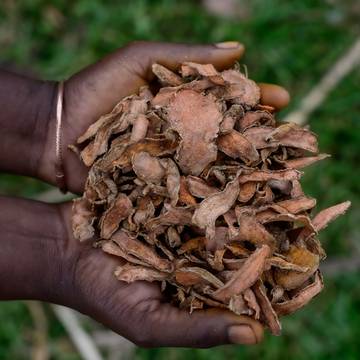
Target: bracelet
[[59, 166]]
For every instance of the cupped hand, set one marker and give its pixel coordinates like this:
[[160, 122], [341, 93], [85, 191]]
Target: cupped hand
[[138, 311], [96, 89]]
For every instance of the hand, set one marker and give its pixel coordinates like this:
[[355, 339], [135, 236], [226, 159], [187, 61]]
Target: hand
[[41, 260], [138, 310], [95, 90]]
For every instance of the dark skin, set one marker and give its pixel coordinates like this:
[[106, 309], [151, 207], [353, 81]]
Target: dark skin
[[39, 258]]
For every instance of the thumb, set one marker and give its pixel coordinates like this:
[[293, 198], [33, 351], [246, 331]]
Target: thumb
[[170, 326], [221, 55], [124, 71]]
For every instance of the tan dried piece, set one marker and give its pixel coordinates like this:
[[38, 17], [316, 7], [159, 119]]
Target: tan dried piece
[[141, 251], [199, 188], [130, 273], [302, 298], [195, 185], [148, 168], [244, 277], [291, 279], [214, 206], [239, 89], [237, 146], [82, 220], [196, 118], [119, 210], [322, 219], [166, 76], [270, 316], [188, 276]]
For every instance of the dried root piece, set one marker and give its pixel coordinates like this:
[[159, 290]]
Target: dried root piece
[[244, 277], [130, 273], [82, 220], [197, 186], [269, 314], [237, 146], [196, 118], [302, 298], [119, 210], [214, 206]]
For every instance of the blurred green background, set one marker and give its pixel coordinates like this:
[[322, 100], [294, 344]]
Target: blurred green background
[[289, 43]]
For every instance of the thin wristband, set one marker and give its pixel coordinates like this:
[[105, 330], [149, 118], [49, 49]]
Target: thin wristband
[[59, 166]]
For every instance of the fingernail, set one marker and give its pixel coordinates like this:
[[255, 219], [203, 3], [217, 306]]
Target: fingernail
[[241, 334], [228, 45]]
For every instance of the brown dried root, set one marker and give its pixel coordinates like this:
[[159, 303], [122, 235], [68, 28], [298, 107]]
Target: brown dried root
[[197, 187]]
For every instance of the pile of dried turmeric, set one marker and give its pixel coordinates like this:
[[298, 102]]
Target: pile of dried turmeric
[[197, 187]]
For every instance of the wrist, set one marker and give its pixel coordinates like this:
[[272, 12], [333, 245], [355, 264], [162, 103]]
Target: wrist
[[26, 106], [57, 158], [32, 248]]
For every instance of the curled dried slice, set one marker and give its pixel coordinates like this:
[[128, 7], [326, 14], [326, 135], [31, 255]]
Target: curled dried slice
[[303, 162], [290, 279], [199, 187], [301, 298], [240, 89], [236, 146], [267, 310], [324, 217], [208, 301], [139, 129], [188, 276], [141, 251], [252, 303], [266, 175], [172, 180], [196, 118], [245, 277], [247, 191], [130, 273], [145, 210], [166, 76], [99, 145], [214, 206], [256, 118], [282, 264], [285, 135], [197, 243], [293, 135], [118, 211], [251, 230], [185, 196], [83, 219], [238, 305], [298, 204], [111, 248], [171, 216], [97, 125], [216, 261], [155, 147], [206, 70], [148, 168], [173, 237]]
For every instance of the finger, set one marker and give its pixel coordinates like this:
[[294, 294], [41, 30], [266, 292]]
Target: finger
[[221, 55], [201, 329], [274, 95], [101, 85]]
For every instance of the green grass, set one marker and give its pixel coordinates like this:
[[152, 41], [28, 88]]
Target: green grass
[[290, 43]]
